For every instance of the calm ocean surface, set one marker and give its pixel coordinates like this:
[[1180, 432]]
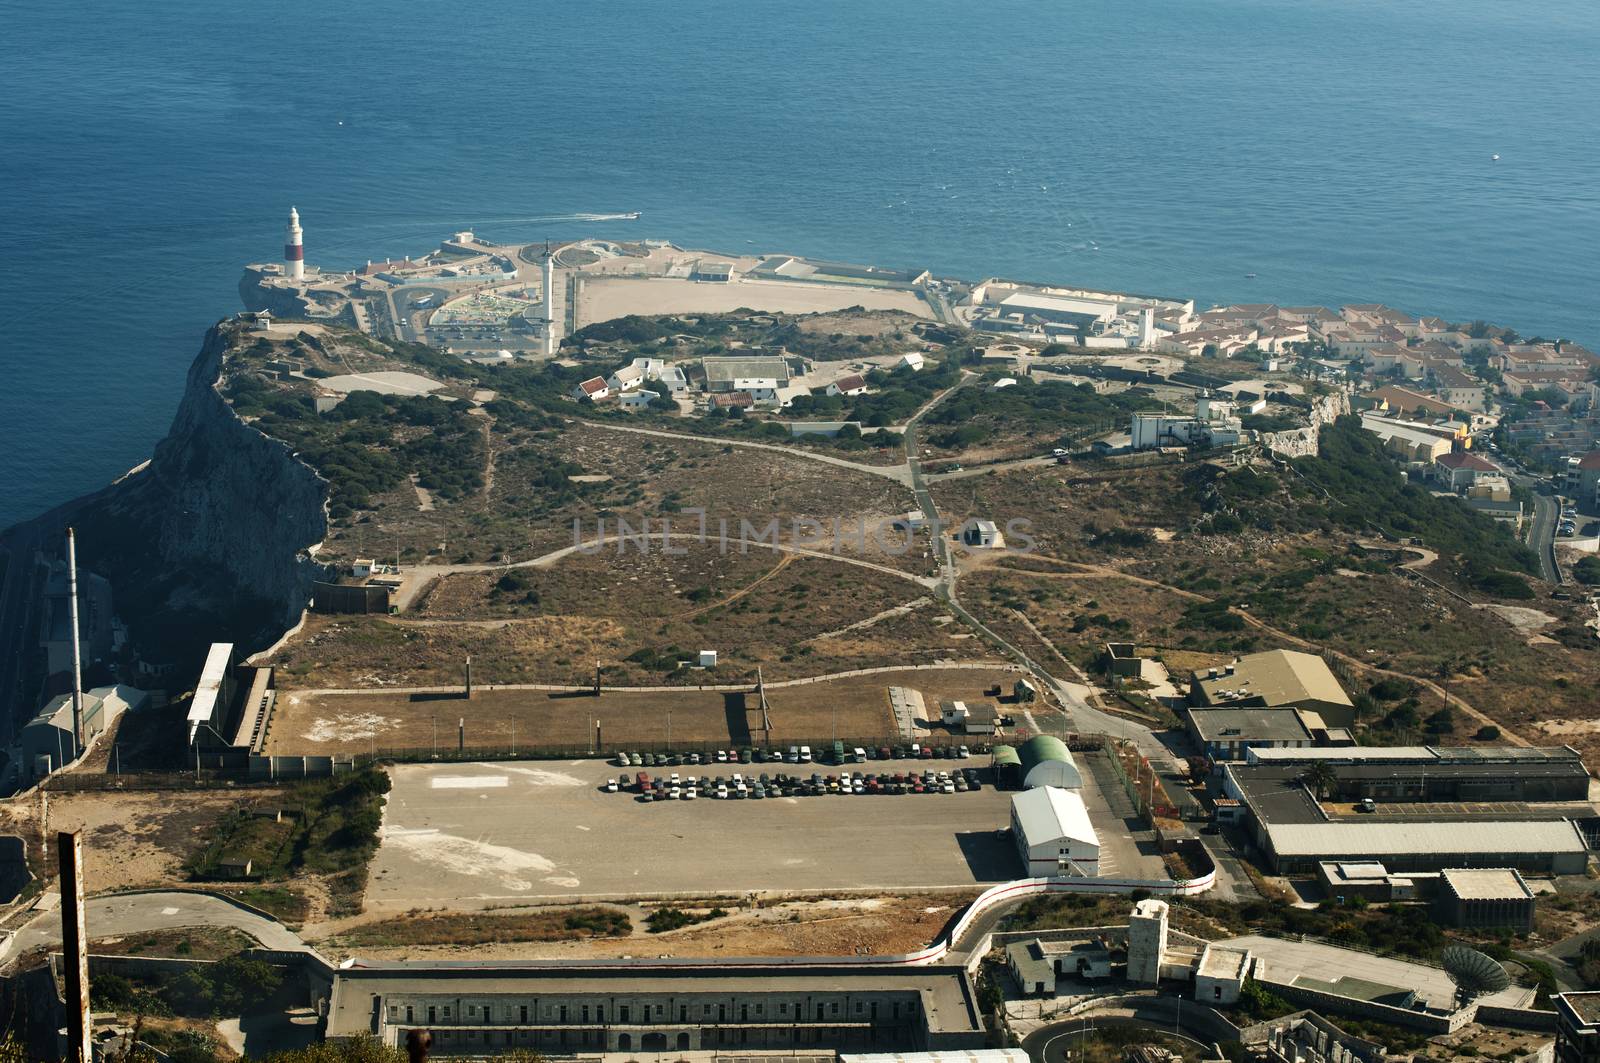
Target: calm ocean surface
[[1338, 149]]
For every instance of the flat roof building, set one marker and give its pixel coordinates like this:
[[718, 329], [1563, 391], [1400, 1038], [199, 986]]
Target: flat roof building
[[1577, 1027], [742, 373], [483, 1008], [1275, 679], [1486, 898], [1227, 734]]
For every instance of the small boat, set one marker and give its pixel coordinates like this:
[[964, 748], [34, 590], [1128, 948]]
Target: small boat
[[634, 215], [1250, 276]]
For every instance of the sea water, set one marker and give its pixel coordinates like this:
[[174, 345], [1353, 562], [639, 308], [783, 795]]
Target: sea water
[[1336, 150]]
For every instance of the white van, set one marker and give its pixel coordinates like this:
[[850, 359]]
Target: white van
[[805, 754]]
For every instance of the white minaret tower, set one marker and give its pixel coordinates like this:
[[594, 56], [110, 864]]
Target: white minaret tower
[[294, 252], [1147, 328], [549, 303]]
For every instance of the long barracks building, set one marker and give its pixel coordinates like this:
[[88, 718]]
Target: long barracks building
[[658, 1006]]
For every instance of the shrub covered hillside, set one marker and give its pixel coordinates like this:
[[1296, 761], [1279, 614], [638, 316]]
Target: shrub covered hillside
[[370, 443], [1353, 487]]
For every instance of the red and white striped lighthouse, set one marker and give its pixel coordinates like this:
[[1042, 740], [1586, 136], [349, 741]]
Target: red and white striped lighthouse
[[294, 252]]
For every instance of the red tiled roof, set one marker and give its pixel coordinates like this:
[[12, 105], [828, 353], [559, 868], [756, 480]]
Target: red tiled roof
[[1465, 459]]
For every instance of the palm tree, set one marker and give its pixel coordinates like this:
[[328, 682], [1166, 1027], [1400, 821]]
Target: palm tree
[[1319, 778]]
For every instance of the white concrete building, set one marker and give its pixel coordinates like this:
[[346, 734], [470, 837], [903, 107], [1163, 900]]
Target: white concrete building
[[849, 384], [1053, 834], [628, 378], [594, 389], [911, 360], [1221, 974]]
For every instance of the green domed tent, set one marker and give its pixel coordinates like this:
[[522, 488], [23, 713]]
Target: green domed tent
[[1047, 762]]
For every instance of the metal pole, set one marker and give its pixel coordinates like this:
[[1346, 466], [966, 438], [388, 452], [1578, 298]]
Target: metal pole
[[74, 947], [436, 737], [513, 736]]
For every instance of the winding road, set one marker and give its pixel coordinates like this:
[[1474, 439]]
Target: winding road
[[120, 914]]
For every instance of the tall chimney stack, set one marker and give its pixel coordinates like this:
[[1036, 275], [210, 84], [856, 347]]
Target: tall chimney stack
[[77, 652]]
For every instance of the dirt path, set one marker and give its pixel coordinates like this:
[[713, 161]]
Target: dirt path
[[783, 563], [887, 614], [899, 473], [424, 575]]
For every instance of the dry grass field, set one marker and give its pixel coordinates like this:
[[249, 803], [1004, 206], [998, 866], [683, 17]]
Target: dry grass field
[[858, 706], [635, 615], [540, 484]]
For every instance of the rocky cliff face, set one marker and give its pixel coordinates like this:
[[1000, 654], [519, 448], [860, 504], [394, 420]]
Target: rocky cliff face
[[235, 500], [1303, 442], [212, 540]]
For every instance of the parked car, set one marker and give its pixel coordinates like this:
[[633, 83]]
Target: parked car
[[690, 793], [722, 791], [963, 753], [722, 756], [611, 786], [621, 760], [805, 754]]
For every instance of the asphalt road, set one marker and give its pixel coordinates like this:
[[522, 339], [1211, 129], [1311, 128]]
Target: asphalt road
[[120, 914], [1541, 535]]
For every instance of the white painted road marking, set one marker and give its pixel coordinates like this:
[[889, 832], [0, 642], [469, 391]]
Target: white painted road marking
[[468, 782]]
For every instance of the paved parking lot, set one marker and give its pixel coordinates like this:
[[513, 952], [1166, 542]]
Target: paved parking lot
[[491, 834]]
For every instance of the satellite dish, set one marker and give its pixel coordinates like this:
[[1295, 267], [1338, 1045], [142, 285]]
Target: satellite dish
[[1473, 973]]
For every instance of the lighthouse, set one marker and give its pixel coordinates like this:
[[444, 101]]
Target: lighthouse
[[294, 252]]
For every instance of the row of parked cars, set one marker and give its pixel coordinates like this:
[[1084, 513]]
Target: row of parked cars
[[675, 787], [839, 754]]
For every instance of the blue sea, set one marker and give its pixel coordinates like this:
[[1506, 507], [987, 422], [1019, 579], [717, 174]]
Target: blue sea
[[1339, 150]]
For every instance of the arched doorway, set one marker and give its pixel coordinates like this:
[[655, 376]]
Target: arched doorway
[[683, 1041], [653, 1042], [624, 1042]]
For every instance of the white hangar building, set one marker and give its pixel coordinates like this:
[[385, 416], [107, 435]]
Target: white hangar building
[[1053, 834]]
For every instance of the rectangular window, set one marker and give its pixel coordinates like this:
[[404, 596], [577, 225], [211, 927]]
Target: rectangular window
[[472, 1009], [586, 1013], [524, 1013], [599, 1013]]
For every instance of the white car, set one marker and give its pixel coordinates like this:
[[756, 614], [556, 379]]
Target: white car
[[621, 760], [675, 793], [690, 794], [793, 756], [963, 753], [722, 756], [722, 792], [674, 780], [805, 754]]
